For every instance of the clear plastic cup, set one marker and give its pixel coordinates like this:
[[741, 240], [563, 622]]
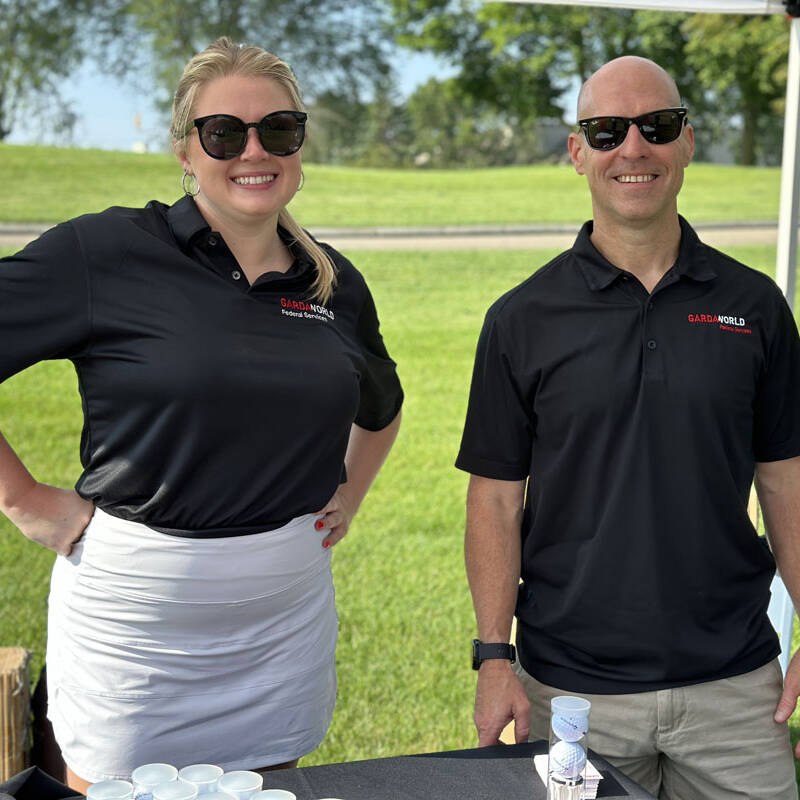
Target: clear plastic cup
[[148, 776], [179, 789], [566, 758], [203, 776], [110, 790], [274, 794], [240, 784]]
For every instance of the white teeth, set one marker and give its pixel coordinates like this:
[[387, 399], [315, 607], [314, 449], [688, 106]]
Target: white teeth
[[250, 179], [635, 178]]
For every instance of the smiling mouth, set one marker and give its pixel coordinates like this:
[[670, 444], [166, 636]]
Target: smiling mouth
[[635, 178], [250, 180]]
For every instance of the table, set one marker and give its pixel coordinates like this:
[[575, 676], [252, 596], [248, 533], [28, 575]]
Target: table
[[505, 772]]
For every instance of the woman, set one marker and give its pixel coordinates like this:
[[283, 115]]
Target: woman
[[238, 403]]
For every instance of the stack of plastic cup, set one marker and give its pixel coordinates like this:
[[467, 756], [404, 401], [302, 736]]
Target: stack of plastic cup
[[203, 776], [110, 790], [566, 762], [148, 776], [241, 784]]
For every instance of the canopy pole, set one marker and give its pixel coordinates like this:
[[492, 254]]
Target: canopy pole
[[786, 261]]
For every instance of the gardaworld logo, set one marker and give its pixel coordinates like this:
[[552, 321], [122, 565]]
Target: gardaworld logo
[[298, 308], [723, 321]]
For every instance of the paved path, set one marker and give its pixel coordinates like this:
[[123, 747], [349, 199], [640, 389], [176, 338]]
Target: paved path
[[475, 237]]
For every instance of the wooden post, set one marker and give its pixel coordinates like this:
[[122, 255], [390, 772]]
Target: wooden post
[[15, 711]]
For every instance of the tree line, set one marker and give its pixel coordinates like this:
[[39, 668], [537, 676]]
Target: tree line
[[510, 67]]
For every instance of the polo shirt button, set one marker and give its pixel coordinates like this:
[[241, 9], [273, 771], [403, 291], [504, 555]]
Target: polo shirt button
[[650, 306], [651, 345], [236, 274], [212, 240]]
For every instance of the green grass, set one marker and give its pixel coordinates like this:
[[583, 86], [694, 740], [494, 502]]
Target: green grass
[[405, 613], [52, 184]]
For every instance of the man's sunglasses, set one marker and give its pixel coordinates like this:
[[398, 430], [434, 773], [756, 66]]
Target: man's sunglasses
[[656, 127], [224, 136]]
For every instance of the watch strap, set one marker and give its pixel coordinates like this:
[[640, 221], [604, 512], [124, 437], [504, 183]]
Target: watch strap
[[483, 651]]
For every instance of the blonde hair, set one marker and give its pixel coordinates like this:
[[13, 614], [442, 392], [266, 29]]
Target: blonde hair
[[220, 59]]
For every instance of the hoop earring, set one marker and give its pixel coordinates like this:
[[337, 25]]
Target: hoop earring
[[196, 184], [302, 181]]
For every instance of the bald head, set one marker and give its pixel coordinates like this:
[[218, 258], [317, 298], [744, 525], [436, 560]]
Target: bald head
[[620, 77]]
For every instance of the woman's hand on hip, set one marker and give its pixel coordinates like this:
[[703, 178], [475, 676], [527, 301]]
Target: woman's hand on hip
[[337, 515], [54, 518]]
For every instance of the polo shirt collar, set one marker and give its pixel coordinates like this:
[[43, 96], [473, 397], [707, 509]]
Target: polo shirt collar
[[599, 273], [186, 222]]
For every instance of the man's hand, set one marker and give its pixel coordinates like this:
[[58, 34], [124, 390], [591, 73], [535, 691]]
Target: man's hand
[[54, 518], [500, 698], [791, 691]]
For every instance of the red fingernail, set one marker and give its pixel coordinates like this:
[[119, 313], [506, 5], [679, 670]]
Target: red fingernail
[[326, 544], [319, 524]]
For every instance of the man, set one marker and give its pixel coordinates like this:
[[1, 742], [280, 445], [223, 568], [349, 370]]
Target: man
[[622, 399]]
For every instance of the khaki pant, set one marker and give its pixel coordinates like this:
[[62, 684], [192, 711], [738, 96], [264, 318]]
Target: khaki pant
[[711, 741]]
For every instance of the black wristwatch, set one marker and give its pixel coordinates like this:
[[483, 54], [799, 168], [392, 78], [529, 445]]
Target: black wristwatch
[[481, 651]]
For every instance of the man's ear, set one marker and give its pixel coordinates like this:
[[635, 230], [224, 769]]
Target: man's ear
[[577, 152], [688, 145]]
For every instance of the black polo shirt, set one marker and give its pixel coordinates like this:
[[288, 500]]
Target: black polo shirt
[[637, 419], [211, 407]]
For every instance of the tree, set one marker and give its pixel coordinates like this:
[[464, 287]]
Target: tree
[[452, 129], [520, 58], [330, 44], [40, 45], [742, 61]]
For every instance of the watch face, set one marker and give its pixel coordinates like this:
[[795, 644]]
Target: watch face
[[476, 661]]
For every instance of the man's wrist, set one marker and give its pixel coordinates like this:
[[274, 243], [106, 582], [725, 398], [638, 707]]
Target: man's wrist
[[492, 651]]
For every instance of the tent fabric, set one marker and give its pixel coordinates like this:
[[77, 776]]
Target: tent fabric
[[712, 6]]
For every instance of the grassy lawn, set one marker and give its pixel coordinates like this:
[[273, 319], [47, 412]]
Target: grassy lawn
[[406, 618], [91, 180]]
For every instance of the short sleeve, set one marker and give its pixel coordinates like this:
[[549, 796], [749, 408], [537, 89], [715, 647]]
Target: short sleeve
[[381, 393], [498, 433], [776, 432], [44, 307]]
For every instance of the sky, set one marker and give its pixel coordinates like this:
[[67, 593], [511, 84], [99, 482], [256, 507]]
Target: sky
[[114, 116]]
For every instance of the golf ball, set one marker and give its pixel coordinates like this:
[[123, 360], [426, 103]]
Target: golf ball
[[567, 760], [569, 729]]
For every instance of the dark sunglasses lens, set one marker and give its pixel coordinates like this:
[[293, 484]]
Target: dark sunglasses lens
[[281, 134], [604, 133], [662, 127], [223, 137]]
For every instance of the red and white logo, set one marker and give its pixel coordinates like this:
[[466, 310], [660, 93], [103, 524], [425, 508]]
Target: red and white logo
[[725, 322], [303, 310]]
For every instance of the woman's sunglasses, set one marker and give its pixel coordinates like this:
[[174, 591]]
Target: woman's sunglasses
[[656, 127], [224, 136]]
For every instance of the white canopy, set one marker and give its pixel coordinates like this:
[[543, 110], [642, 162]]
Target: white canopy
[[714, 6]]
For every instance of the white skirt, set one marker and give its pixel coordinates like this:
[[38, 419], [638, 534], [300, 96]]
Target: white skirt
[[167, 649]]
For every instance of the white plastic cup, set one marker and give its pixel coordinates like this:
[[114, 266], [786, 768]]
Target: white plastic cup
[[240, 784], [203, 776], [566, 758], [274, 794], [110, 790], [215, 795], [179, 789], [148, 776]]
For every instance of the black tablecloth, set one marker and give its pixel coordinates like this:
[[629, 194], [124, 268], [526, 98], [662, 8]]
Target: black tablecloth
[[505, 772]]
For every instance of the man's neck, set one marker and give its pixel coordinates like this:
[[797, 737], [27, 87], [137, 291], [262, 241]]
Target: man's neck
[[648, 252]]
